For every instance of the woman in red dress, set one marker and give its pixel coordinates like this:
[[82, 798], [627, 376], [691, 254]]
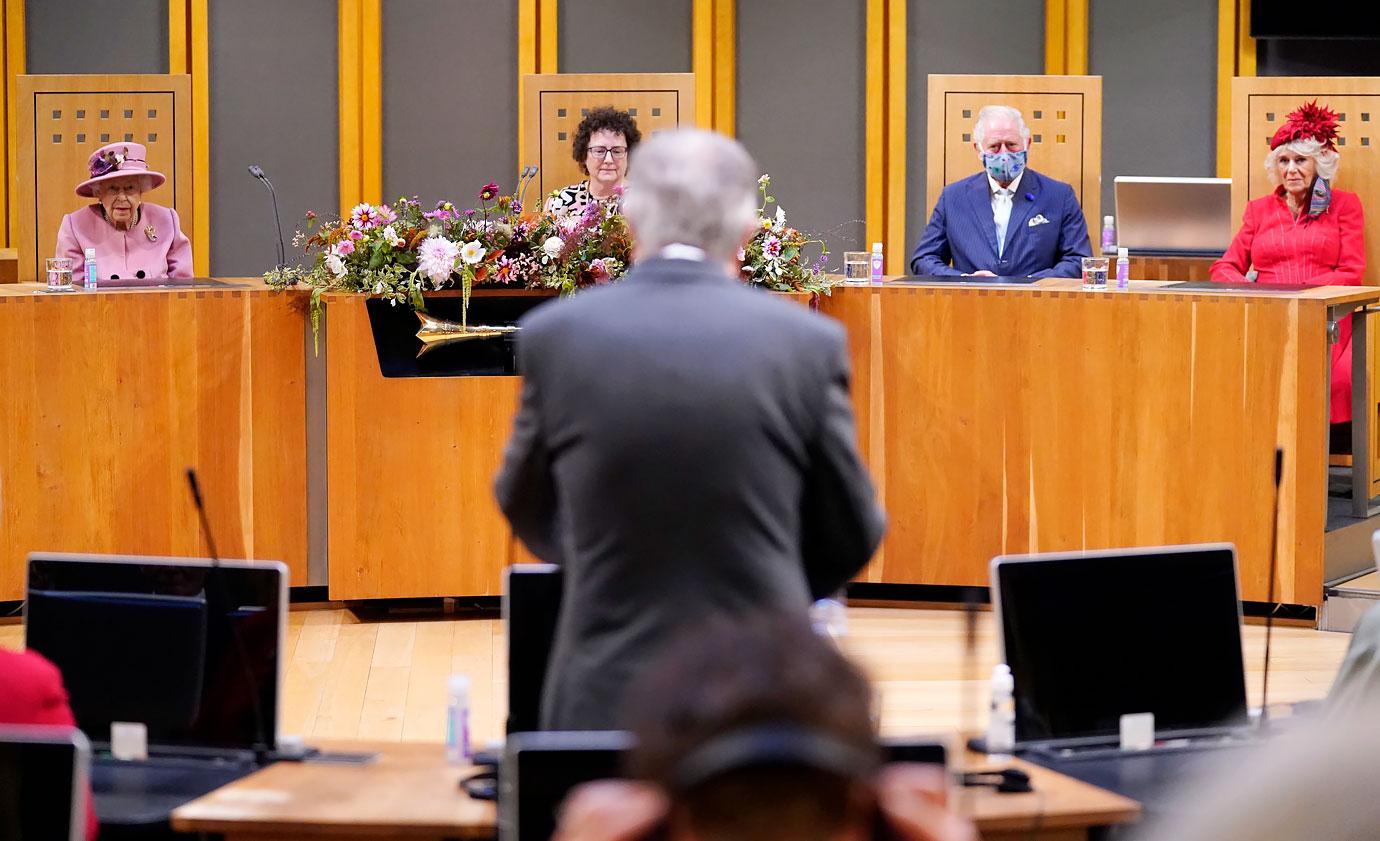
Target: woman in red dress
[[1304, 232]]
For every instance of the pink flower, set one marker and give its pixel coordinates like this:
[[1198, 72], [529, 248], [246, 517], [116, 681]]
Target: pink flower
[[771, 248], [489, 191], [437, 258], [345, 247], [356, 235]]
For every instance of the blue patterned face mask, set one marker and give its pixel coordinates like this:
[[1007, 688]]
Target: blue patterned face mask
[[1322, 197], [1004, 167]]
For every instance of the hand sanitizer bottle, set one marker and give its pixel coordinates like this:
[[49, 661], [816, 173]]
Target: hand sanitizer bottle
[[877, 262], [91, 278], [1001, 719], [1123, 269]]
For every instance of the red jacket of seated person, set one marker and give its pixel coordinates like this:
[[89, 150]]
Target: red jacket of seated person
[[31, 692]]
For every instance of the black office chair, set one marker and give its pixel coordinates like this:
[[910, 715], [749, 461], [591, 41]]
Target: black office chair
[[43, 782], [531, 603]]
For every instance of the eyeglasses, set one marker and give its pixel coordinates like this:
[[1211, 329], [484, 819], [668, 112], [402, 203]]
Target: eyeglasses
[[599, 152]]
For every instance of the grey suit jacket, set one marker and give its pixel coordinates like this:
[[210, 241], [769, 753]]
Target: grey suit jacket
[[684, 446]]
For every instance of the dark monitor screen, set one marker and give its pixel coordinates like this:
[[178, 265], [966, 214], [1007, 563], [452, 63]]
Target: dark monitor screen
[[1284, 19], [152, 640], [1090, 637], [540, 769], [531, 603], [43, 773]]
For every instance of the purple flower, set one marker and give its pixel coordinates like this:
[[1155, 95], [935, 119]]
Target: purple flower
[[469, 213], [771, 248]]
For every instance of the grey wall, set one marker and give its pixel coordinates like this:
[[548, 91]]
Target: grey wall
[[450, 87], [802, 111], [961, 36], [624, 36], [1159, 88], [273, 92], [96, 36]]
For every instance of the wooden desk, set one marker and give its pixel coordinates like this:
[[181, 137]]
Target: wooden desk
[[411, 792], [106, 397], [1045, 418]]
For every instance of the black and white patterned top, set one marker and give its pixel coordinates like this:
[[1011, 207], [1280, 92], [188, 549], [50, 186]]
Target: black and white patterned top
[[572, 200]]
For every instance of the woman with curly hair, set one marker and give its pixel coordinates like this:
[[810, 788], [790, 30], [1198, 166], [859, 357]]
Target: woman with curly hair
[[602, 144]]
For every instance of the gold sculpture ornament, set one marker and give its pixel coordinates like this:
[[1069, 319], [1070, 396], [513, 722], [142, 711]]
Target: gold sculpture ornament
[[435, 332]]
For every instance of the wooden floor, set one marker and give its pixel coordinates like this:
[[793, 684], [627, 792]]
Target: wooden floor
[[386, 680]]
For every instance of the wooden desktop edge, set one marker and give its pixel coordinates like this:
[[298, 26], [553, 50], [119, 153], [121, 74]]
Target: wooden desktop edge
[[280, 799]]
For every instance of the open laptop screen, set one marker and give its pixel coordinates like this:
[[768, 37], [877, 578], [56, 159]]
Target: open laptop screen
[[43, 780], [151, 640], [1092, 636]]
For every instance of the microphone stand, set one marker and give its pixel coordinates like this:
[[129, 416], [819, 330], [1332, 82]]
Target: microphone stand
[[1270, 616], [529, 174], [257, 171]]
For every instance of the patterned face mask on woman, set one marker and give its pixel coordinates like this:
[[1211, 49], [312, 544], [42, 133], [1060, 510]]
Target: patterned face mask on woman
[[1004, 166]]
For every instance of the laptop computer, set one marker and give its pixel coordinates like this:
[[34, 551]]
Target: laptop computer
[[192, 652], [531, 604], [43, 782], [1163, 215], [1091, 636]]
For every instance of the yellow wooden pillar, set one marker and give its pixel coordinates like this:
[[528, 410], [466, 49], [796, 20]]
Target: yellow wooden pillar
[[188, 53], [361, 102], [714, 61], [886, 130], [1235, 57], [538, 51], [1066, 37], [13, 60]]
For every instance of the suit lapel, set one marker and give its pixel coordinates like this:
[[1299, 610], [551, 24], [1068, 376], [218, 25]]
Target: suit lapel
[[1021, 208], [981, 197]]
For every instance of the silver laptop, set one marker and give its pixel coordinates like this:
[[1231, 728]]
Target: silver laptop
[[44, 773], [1091, 636], [1173, 215]]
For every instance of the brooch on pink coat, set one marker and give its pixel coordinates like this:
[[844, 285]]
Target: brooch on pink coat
[[151, 234]]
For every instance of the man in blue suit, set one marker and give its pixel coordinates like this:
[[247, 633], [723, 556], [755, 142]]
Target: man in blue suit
[[1006, 221]]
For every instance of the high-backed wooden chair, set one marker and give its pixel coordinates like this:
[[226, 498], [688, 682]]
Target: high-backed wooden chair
[[1259, 105], [1064, 114], [554, 104], [61, 120]]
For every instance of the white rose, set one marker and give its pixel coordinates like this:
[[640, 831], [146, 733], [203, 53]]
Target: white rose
[[553, 246], [335, 265], [472, 252]]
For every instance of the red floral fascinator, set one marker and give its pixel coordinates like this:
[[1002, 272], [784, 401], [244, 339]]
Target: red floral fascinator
[[1311, 120]]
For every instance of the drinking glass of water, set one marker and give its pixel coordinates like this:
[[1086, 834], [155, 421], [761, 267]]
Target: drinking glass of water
[[857, 266], [1095, 273], [59, 274]]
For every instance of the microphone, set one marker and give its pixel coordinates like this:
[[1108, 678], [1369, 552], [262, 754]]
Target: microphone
[[264, 746], [1270, 616], [258, 172], [525, 179]]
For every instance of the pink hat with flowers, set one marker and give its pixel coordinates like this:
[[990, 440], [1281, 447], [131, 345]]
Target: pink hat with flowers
[[118, 160]]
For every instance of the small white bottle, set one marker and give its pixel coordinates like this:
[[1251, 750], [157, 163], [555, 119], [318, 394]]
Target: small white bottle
[[458, 720], [1123, 269], [1001, 717], [91, 278], [877, 263]]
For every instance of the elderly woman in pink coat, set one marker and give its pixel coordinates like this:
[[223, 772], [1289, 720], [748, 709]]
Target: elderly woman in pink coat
[[133, 239]]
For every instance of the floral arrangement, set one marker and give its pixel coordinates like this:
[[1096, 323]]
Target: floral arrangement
[[401, 252], [775, 258]]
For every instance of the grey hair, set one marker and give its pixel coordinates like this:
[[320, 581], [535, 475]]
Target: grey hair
[[694, 187], [992, 112], [1325, 159]]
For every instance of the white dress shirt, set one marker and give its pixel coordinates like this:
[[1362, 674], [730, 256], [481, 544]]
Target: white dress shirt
[[1001, 207]]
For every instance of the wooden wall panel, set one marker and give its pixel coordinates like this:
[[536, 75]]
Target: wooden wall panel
[[109, 397], [1054, 419], [411, 464]]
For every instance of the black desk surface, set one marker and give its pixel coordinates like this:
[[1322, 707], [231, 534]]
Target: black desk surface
[[1152, 779], [131, 794]]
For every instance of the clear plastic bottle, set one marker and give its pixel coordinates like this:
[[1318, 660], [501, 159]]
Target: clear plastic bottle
[[829, 617], [1108, 234], [91, 276], [458, 720], [878, 263], [1001, 717], [1123, 269]]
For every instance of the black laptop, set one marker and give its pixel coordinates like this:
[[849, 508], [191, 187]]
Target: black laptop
[[1091, 636]]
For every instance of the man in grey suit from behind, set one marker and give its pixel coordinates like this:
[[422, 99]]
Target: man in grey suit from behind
[[685, 445]]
